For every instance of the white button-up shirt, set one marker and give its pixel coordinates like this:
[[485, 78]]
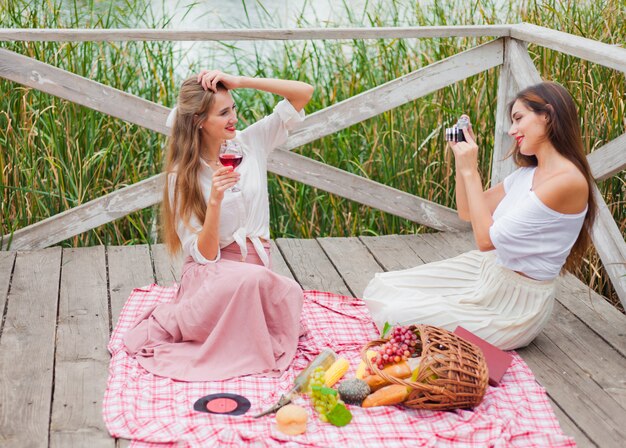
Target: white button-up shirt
[[243, 214]]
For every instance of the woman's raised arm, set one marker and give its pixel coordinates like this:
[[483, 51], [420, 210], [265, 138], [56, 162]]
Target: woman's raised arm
[[298, 93]]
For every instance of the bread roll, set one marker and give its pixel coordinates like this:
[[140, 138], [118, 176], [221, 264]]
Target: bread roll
[[291, 419]]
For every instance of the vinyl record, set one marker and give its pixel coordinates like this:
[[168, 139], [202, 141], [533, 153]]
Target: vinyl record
[[223, 404]]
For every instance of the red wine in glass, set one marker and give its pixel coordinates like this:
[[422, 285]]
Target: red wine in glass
[[231, 159], [231, 154]]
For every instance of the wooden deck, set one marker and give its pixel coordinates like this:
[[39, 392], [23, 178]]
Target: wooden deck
[[60, 305]]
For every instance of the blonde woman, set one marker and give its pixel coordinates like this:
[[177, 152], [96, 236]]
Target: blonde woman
[[232, 315], [527, 228]]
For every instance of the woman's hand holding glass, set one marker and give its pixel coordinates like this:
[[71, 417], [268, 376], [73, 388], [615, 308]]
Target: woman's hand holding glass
[[223, 179], [231, 154]]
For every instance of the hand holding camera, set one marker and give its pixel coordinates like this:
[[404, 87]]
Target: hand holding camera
[[462, 141], [455, 133]]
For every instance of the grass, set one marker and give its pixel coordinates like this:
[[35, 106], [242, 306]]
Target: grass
[[56, 155]]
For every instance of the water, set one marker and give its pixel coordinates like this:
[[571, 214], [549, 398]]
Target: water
[[228, 14], [241, 56]]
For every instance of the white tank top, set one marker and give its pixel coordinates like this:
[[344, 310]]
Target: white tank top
[[530, 237]]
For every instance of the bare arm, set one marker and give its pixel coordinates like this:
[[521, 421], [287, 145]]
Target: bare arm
[[475, 205], [209, 236], [493, 196], [298, 93], [480, 215]]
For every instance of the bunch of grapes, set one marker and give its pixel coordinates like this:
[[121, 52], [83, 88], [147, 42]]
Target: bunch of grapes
[[323, 398], [316, 379], [402, 345]]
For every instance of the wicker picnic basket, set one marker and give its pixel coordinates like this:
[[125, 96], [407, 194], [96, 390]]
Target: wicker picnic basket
[[452, 372]]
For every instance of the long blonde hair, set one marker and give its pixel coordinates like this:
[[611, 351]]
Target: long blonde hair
[[183, 159]]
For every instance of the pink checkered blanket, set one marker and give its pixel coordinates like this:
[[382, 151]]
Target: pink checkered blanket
[[157, 412]]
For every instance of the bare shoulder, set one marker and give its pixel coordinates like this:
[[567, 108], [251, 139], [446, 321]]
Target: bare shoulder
[[565, 192]]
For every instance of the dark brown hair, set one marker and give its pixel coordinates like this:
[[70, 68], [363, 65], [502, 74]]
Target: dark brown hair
[[563, 132]]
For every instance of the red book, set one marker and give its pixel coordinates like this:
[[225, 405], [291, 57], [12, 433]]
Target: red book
[[498, 361]]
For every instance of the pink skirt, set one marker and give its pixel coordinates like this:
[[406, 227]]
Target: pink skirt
[[229, 319]]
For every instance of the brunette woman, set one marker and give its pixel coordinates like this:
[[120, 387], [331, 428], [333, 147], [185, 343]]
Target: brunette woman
[[527, 228]]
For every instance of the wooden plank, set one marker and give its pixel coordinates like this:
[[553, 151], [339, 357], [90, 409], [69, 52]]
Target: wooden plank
[[502, 166], [27, 349], [440, 247], [129, 267], [396, 93], [595, 357], [570, 428], [609, 242], [7, 260], [353, 261], [82, 359], [115, 35], [167, 269], [365, 191], [608, 159], [460, 241], [392, 252], [584, 401], [89, 216], [279, 265], [593, 309], [523, 69], [63, 84], [310, 266], [604, 54]]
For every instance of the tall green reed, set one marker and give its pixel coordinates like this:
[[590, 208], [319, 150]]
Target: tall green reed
[[56, 155]]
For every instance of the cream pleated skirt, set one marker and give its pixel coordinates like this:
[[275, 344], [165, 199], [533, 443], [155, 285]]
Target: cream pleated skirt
[[471, 290]]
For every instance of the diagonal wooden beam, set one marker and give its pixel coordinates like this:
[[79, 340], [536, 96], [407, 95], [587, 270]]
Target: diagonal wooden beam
[[609, 242], [396, 93], [77, 89], [604, 54], [609, 159], [365, 191], [87, 216]]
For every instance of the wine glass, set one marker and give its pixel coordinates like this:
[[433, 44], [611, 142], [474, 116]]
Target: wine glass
[[231, 154]]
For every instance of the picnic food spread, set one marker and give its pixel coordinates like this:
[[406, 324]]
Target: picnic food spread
[[417, 365]]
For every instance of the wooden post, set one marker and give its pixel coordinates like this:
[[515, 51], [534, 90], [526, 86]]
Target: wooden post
[[501, 166]]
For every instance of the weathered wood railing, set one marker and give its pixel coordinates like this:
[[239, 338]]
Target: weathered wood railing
[[508, 51]]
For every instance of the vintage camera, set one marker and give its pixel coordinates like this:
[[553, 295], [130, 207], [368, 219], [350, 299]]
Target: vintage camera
[[455, 133]]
